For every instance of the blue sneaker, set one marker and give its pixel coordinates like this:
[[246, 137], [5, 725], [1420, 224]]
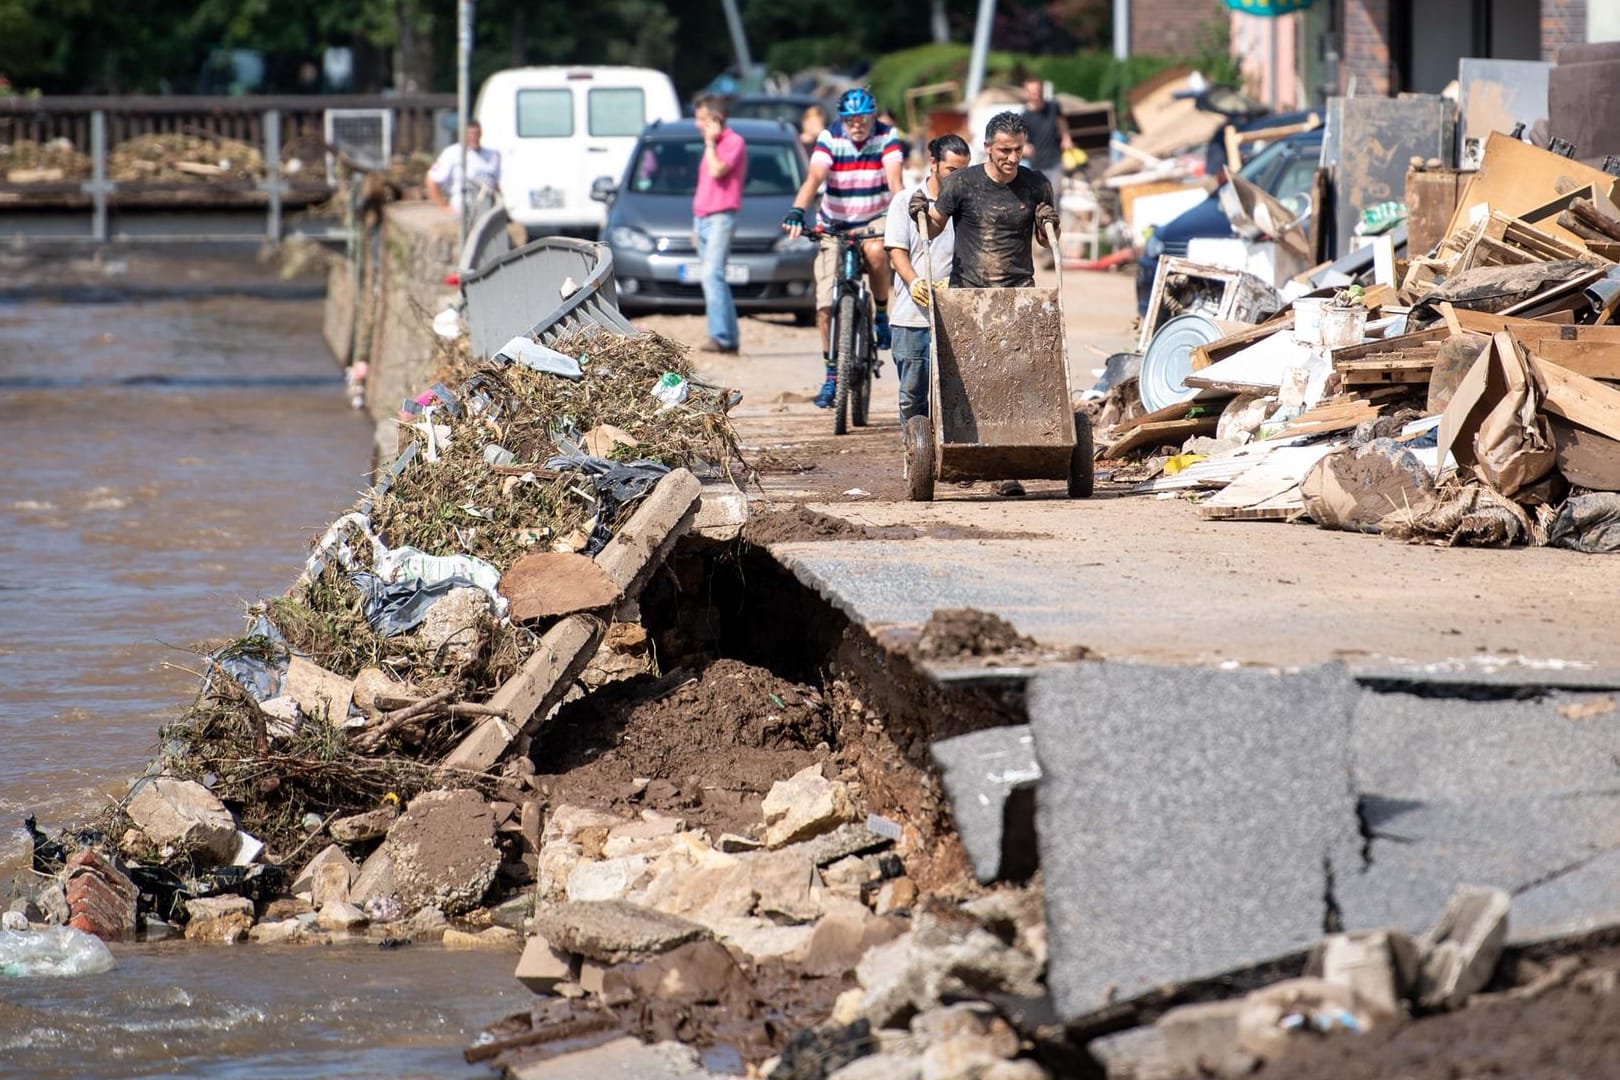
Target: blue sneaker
[[881, 329], [829, 392]]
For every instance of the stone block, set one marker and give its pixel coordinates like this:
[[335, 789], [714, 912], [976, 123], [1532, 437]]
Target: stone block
[[340, 915], [186, 816], [839, 941], [542, 967], [219, 920], [1460, 953], [360, 828], [315, 871], [1190, 821], [990, 778], [805, 805], [375, 881], [627, 1057], [1200, 1039], [894, 896], [783, 881], [490, 938], [610, 879]]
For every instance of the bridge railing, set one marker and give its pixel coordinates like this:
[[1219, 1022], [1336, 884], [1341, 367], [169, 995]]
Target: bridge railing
[[241, 118]]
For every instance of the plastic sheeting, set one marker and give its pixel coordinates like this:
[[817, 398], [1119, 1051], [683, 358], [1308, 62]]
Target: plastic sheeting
[[58, 951], [616, 483]]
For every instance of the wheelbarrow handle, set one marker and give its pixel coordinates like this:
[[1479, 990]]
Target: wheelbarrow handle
[[1057, 257], [928, 262]]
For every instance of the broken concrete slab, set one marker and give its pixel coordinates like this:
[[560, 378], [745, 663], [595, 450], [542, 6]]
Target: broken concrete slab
[[609, 879], [321, 695], [803, 806], [454, 626], [548, 584], [612, 931], [340, 915], [443, 851], [1154, 778], [184, 815], [375, 882], [990, 778], [1495, 786]]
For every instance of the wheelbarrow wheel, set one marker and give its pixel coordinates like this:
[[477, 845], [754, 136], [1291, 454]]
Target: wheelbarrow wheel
[[1082, 462], [844, 359], [919, 438]]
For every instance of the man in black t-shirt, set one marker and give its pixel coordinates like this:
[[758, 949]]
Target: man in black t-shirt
[[1048, 134], [997, 208]]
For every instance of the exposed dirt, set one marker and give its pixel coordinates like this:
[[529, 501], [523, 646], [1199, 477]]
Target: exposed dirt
[[967, 634], [1569, 1031], [801, 523], [713, 744]]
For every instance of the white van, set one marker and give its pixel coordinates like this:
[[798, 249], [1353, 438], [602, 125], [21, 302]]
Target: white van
[[559, 128]]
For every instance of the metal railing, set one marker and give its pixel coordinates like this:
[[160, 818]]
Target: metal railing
[[241, 118], [503, 295]]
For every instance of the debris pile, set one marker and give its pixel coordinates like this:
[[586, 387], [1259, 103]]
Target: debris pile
[[29, 162], [177, 157], [1470, 396]]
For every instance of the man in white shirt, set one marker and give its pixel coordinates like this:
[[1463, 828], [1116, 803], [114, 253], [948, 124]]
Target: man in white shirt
[[908, 314], [444, 184]]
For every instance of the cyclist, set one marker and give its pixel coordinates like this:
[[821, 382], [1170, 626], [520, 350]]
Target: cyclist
[[907, 252], [859, 160]]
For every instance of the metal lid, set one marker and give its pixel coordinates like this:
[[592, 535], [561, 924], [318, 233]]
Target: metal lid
[[1168, 360]]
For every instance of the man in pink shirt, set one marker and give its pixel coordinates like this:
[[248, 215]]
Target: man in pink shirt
[[714, 212]]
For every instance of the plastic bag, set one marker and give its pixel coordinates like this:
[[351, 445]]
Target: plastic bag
[[671, 389], [60, 950], [537, 357]]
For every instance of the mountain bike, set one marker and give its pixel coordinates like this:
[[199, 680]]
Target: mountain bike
[[850, 337]]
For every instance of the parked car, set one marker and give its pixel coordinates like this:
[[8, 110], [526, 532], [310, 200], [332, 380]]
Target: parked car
[[559, 129], [649, 223], [788, 108], [1286, 169]]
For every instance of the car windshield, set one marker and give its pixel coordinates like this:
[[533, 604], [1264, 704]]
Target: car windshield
[[670, 167], [787, 111], [1284, 168]]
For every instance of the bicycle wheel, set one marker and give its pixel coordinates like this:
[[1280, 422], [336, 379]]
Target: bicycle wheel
[[844, 359], [860, 392]]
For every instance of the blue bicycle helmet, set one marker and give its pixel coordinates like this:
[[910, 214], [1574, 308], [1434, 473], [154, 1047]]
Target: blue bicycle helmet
[[857, 102]]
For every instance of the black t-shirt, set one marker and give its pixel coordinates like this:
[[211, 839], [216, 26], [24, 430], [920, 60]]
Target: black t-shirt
[[1045, 143], [995, 224]]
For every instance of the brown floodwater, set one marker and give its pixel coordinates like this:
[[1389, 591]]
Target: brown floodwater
[[162, 464]]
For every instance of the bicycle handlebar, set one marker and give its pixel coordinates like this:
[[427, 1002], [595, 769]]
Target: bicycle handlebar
[[864, 234]]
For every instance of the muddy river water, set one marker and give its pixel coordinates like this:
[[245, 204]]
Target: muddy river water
[[162, 463]]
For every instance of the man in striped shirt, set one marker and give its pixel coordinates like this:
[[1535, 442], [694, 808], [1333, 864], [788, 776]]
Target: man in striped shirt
[[859, 161]]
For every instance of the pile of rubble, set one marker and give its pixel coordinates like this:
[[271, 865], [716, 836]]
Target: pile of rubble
[[1469, 396]]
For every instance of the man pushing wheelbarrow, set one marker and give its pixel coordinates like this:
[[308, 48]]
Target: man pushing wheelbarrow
[[999, 406]]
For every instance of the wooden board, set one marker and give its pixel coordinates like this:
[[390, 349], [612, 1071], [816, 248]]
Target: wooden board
[[564, 651], [1578, 399], [1515, 177], [1586, 458], [1330, 417], [1167, 433], [1594, 359]]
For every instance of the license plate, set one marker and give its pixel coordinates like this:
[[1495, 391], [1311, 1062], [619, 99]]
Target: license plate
[[692, 273], [546, 198]]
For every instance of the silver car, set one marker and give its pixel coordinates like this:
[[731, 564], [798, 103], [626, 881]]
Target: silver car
[[649, 223]]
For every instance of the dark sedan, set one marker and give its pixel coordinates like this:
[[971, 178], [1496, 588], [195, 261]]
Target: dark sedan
[[649, 223], [1285, 169]]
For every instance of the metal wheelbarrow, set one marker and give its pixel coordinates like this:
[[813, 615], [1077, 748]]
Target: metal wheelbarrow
[[998, 392]]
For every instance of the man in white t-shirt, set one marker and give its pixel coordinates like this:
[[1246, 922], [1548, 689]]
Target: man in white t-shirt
[[444, 184], [908, 317]]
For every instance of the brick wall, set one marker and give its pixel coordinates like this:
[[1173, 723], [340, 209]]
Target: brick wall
[[1174, 27], [1365, 52], [1563, 22]]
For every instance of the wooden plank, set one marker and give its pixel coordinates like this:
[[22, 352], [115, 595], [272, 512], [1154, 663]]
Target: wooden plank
[[1578, 399], [1586, 458], [1594, 359], [1179, 411], [629, 560], [1167, 433]]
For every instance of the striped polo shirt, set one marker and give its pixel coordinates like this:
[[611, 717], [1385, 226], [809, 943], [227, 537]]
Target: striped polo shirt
[[857, 191]]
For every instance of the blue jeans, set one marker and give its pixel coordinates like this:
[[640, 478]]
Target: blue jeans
[[910, 351], [714, 247]]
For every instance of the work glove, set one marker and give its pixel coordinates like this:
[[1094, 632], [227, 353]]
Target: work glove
[[793, 221], [1046, 214], [919, 290], [918, 204]]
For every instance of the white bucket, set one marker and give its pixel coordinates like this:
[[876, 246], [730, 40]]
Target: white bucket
[[1308, 319], [1342, 326]]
